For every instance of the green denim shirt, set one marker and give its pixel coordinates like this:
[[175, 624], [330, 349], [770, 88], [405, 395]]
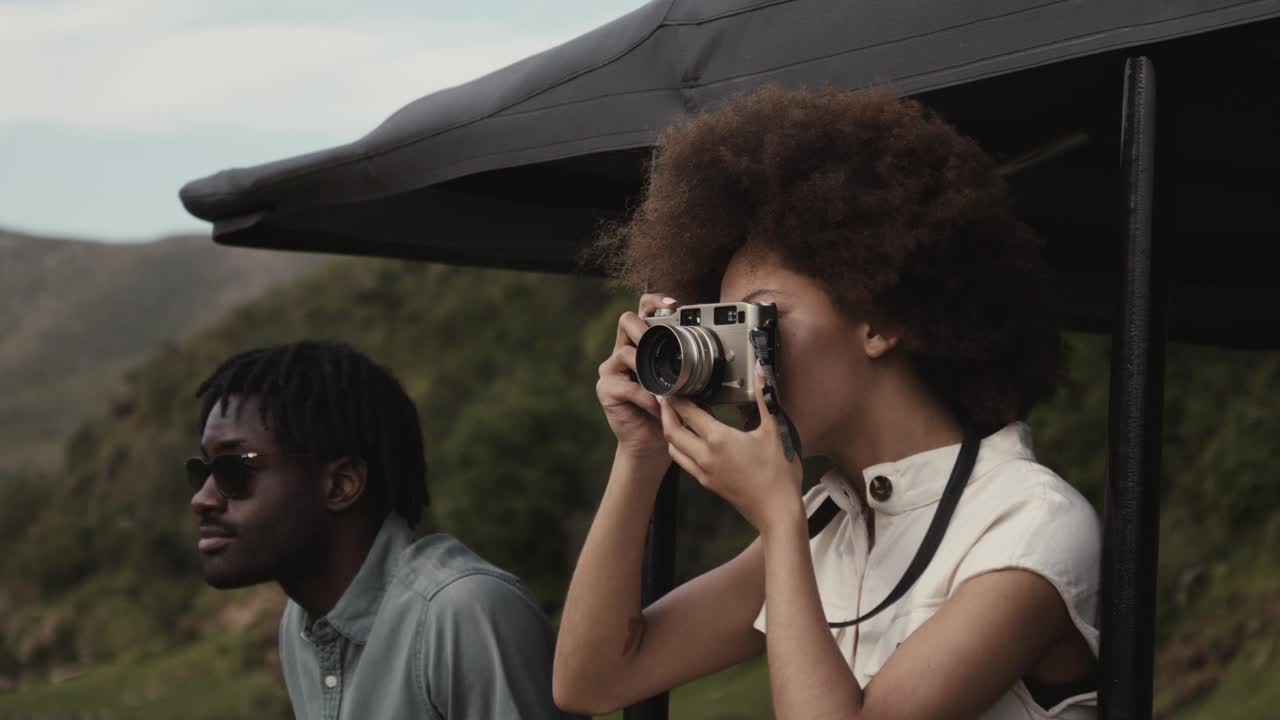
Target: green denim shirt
[[427, 629]]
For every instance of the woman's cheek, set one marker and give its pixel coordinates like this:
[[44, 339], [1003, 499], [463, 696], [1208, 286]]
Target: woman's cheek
[[815, 379], [797, 360]]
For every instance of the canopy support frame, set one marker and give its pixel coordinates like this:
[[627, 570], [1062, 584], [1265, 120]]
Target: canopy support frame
[[1131, 504], [658, 575]]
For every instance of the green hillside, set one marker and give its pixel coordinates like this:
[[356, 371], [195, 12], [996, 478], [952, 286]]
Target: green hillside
[[101, 609], [74, 315]]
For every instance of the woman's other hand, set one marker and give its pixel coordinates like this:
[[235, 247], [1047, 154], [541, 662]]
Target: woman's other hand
[[632, 412], [745, 467]]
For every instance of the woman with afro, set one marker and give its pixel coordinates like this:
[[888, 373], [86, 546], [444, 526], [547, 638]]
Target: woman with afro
[[912, 314]]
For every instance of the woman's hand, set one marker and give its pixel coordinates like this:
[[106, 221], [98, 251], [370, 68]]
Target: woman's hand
[[632, 412], [746, 468]]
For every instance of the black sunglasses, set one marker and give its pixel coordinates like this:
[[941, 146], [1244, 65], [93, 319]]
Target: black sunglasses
[[231, 473]]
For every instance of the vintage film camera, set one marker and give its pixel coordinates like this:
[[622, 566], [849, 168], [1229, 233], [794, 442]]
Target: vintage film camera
[[708, 352]]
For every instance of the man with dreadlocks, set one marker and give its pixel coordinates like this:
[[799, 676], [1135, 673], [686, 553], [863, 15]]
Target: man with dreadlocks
[[312, 475]]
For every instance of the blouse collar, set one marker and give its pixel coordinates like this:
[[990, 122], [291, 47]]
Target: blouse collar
[[917, 480]]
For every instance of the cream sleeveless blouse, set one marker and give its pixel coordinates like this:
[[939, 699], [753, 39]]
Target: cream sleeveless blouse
[[1014, 513]]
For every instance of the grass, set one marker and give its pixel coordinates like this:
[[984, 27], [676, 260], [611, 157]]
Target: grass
[[1228, 648], [1251, 688], [206, 681], [739, 693], [209, 680]]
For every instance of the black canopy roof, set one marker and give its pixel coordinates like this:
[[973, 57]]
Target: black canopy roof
[[517, 168]]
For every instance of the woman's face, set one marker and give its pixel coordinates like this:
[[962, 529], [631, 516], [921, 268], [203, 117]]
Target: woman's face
[[822, 362]]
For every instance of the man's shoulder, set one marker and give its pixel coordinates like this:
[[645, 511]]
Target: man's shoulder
[[439, 561]]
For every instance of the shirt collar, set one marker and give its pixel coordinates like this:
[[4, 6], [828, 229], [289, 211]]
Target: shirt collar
[[918, 480], [354, 614]]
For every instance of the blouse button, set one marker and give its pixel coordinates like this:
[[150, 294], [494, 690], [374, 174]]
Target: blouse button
[[331, 681], [881, 488]]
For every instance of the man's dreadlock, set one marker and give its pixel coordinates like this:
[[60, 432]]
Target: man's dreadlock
[[327, 401]]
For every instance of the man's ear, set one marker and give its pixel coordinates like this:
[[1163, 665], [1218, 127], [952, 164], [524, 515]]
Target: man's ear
[[876, 343], [345, 481]]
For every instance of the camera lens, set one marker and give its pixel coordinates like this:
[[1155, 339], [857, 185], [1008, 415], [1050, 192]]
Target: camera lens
[[676, 360], [667, 360]]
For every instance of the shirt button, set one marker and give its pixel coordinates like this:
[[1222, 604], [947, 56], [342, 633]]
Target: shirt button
[[881, 488], [331, 681]]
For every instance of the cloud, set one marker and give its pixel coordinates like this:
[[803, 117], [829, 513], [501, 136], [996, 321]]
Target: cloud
[[164, 67]]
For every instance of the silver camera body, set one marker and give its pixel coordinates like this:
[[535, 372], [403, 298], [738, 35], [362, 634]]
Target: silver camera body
[[708, 352]]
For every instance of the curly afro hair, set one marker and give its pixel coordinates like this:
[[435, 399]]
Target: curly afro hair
[[904, 221]]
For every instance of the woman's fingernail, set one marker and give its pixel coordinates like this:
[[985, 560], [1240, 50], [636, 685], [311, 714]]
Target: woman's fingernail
[[668, 301]]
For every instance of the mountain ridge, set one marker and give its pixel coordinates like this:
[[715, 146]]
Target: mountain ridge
[[76, 314]]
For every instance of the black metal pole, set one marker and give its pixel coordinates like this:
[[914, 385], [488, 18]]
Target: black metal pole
[[1131, 509], [659, 573]]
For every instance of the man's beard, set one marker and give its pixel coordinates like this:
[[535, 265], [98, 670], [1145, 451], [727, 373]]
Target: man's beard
[[241, 564]]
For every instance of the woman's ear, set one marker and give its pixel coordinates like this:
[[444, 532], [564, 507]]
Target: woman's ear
[[345, 480], [875, 344]]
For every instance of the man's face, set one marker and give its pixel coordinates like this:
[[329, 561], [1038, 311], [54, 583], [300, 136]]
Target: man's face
[[278, 530]]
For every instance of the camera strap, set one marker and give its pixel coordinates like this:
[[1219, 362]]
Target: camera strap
[[786, 429], [764, 345], [960, 473]]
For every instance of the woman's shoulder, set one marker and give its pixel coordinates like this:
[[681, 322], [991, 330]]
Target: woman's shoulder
[[1010, 480], [1026, 481], [1043, 525], [1037, 521]]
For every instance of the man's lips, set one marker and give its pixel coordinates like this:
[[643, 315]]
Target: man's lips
[[213, 538]]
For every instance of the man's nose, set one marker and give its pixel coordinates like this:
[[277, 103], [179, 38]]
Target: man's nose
[[207, 498]]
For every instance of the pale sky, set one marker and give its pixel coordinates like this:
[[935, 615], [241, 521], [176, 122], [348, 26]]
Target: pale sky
[[108, 106]]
